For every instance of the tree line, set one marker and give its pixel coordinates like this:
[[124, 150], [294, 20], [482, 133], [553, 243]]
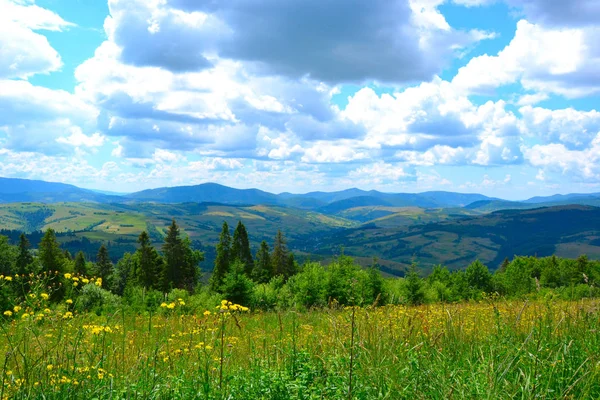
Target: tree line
[[272, 278]]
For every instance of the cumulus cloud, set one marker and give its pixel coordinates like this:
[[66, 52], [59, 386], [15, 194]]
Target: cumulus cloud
[[572, 128], [24, 52], [335, 41], [580, 165], [34, 118], [558, 60]]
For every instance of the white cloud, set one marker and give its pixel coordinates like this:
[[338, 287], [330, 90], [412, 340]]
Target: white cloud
[[24, 52], [564, 61], [531, 99], [572, 128], [79, 139], [34, 117], [379, 173], [581, 165]]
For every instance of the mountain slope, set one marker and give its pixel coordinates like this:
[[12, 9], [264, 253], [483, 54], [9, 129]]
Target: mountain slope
[[566, 231], [206, 192], [25, 190]]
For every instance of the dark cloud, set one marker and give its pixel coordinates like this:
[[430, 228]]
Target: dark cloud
[[560, 12], [332, 41], [163, 40]]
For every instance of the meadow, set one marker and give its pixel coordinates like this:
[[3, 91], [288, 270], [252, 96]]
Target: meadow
[[486, 349]]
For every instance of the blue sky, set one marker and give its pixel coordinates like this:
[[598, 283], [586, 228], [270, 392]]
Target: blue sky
[[500, 97]]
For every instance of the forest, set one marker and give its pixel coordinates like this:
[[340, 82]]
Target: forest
[[271, 279]]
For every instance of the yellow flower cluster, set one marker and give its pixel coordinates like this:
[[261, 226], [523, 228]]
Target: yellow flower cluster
[[98, 329], [229, 306]]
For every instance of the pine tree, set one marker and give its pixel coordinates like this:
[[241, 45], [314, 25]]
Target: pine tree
[[103, 264], [80, 264], [173, 257], [281, 261], [414, 286], [263, 270], [222, 260], [24, 257], [50, 254], [148, 270], [240, 249], [122, 273], [181, 261]]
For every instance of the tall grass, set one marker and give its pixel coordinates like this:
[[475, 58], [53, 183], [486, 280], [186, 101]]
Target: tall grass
[[483, 350]]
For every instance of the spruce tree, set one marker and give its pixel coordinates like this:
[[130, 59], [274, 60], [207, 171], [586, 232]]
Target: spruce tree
[[222, 260], [50, 254], [173, 257], [281, 261], [80, 264], [181, 261], [240, 249], [263, 270], [414, 286], [148, 270], [24, 257], [104, 266]]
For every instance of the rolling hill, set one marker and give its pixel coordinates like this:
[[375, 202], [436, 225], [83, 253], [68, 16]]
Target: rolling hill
[[567, 231]]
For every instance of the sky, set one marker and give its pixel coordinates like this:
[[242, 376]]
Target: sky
[[499, 97]]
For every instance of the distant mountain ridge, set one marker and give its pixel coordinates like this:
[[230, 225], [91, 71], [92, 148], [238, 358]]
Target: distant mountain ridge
[[24, 190], [334, 203]]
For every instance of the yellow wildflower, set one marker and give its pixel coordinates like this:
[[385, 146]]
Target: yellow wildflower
[[16, 308], [85, 281], [163, 305], [7, 313], [171, 306], [69, 301], [8, 278], [45, 296], [49, 367], [206, 313], [68, 315], [68, 276], [99, 282]]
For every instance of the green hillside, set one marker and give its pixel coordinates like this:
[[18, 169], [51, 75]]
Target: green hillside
[[567, 231]]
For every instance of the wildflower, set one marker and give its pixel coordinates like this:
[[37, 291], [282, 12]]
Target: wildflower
[[171, 306], [49, 367], [207, 313], [25, 316], [68, 315], [16, 308], [163, 305], [8, 278], [68, 276], [45, 296], [98, 282], [181, 302], [69, 301], [32, 295], [75, 284], [7, 313], [85, 281]]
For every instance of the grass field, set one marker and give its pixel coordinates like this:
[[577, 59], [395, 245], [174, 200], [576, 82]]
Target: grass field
[[486, 350]]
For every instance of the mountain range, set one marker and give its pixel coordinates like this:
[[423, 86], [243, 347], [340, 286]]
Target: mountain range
[[23, 190], [435, 227]]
